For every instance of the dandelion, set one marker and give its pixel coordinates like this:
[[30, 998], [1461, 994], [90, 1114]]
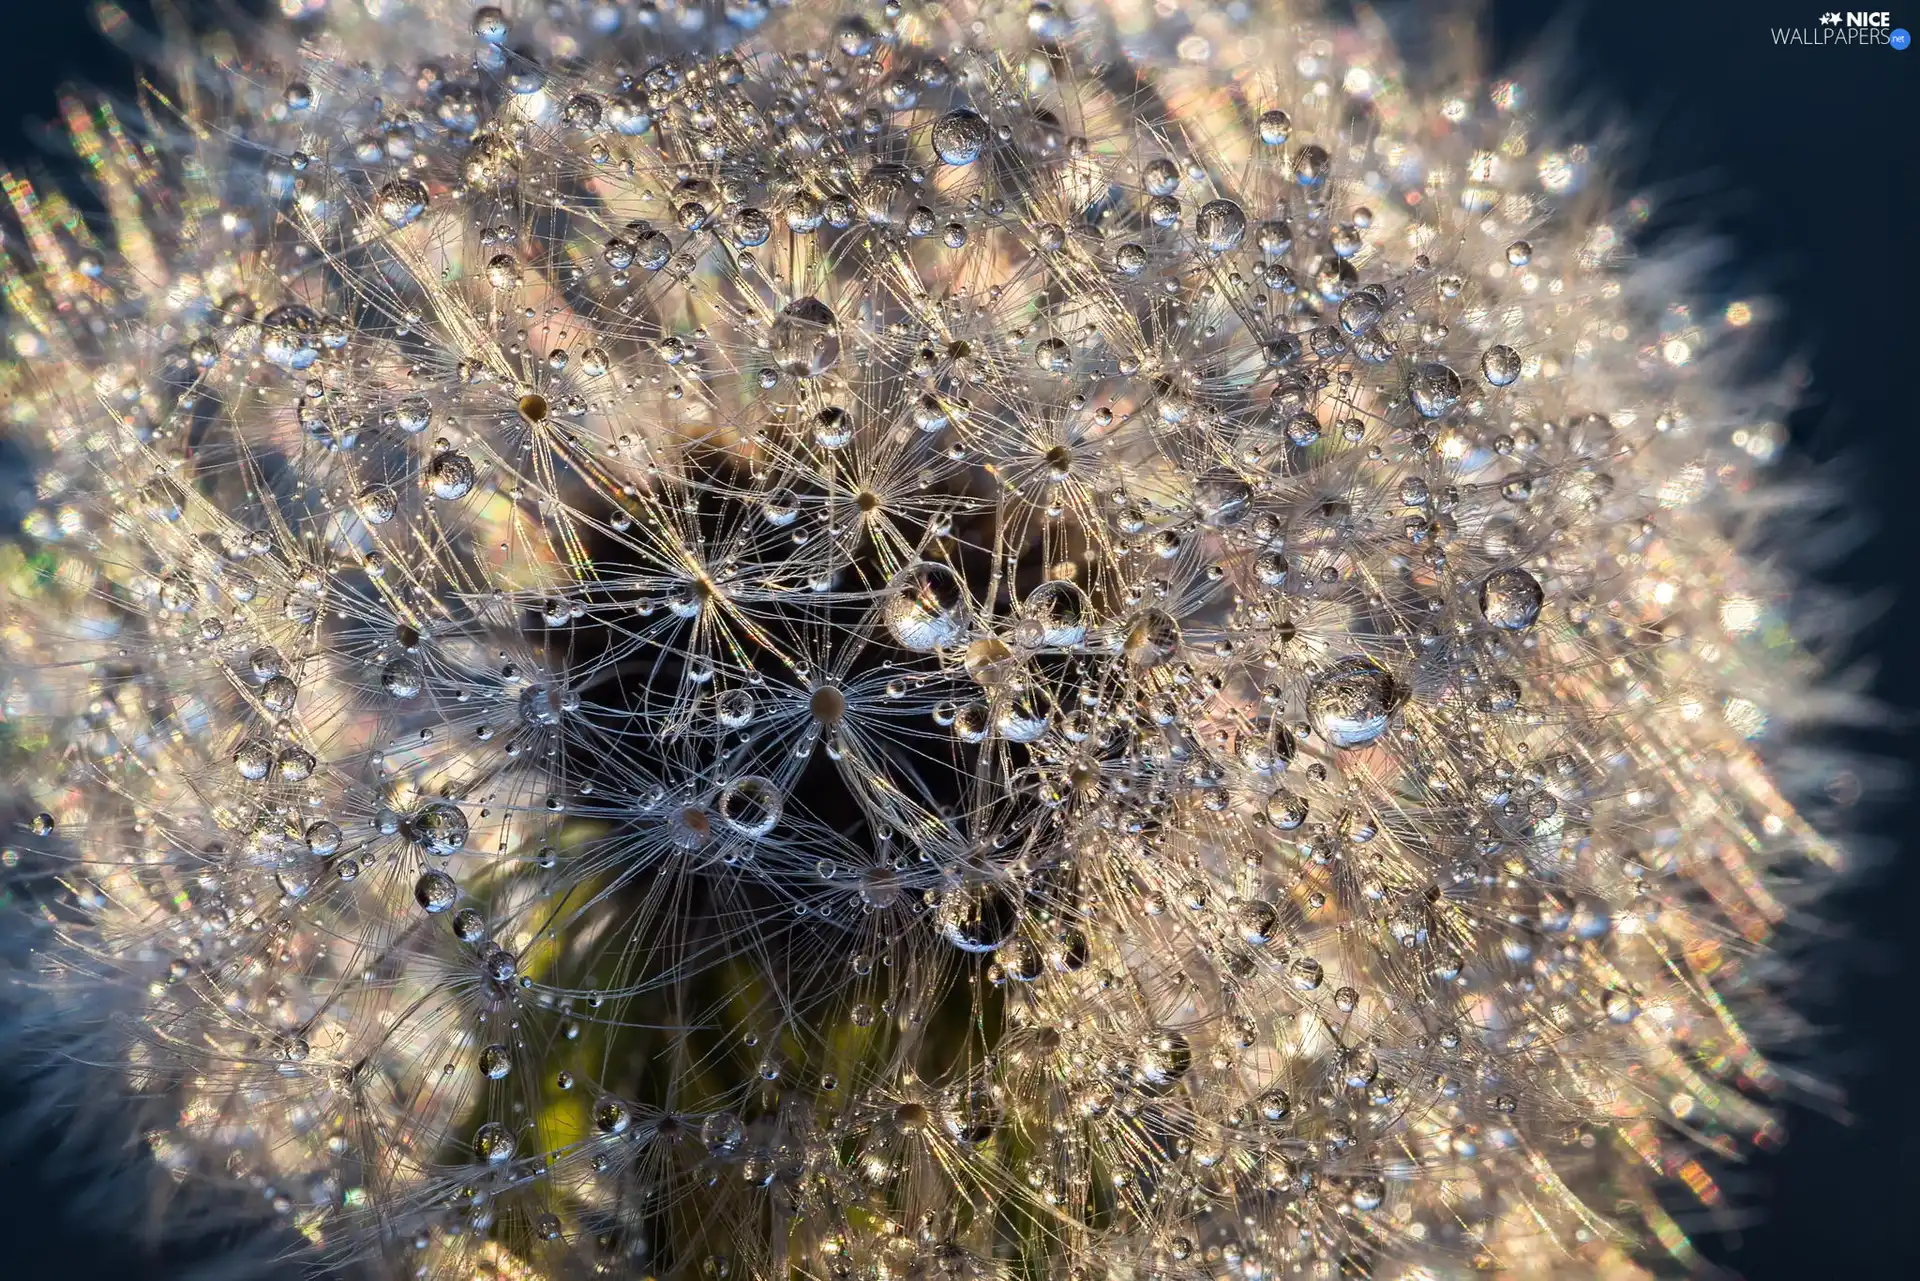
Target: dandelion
[[969, 641]]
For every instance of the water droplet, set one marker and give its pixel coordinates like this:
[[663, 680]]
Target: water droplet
[[1275, 127], [734, 709], [653, 250], [723, 1133], [412, 415], [970, 1115], [1500, 365], [495, 1062], [960, 136], [450, 475], [503, 272], [854, 37], [1434, 389], [1057, 612], [925, 607], [493, 1143], [611, 1116], [1361, 311], [490, 25], [750, 805], [377, 504], [751, 227], [252, 759], [833, 428], [435, 891], [402, 201], [1510, 599], [1046, 21], [582, 112], [629, 113], [805, 338], [1311, 165], [289, 337], [1221, 498], [1351, 702], [402, 678], [439, 828], [296, 764], [1152, 638], [978, 916], [1164, 1058], [1286, 811], [1256, 920], [1220, 225]]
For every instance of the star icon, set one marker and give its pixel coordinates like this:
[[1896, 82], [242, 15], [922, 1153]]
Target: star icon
[[1829, 19]]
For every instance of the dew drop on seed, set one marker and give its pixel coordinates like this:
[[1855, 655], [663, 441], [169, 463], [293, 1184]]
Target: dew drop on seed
[[1434, 389], [450, 475], [1350, 703], [1510, 599], [750, 805], [960, 136], [925, 607], [805, 338], [402, 201], [435, 891], [439, 828], [1500, 365]]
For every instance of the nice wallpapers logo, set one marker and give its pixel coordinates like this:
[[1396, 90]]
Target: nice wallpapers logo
[[1850, 28]]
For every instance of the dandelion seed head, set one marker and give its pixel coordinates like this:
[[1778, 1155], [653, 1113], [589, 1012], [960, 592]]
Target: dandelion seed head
[[1064, 639]]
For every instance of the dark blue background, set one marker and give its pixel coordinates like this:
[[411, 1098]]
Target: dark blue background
[[1804, 159]]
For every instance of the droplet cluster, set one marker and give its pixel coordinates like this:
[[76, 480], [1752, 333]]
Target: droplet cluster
[[964, 640]]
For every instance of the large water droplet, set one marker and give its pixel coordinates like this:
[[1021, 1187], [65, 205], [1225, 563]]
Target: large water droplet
[[1220, 498], [926, 607], [977, 917], [806, 338], [1351, 702], [1256, 920], [450, 475], [960, 136], [1054, 615], [1434, 389], [435, 891], [290, 337], [750, 805], [377, 504], [402, 201], [252, 759], [493, 1143], [1220, 225], [439, 828], [1500, 365], [1510, 599]]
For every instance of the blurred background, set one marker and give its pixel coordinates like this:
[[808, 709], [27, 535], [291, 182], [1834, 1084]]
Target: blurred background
[[1802, 161]]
